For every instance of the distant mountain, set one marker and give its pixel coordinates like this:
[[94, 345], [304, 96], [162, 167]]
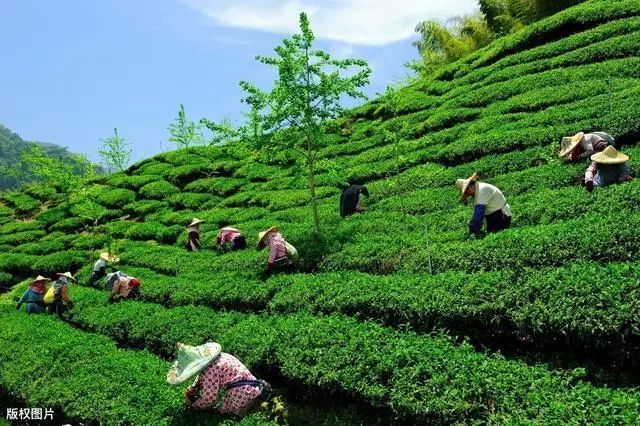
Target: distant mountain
[[12, 145]]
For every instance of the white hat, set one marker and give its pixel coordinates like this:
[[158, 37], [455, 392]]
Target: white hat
[[192, 360], [609, 156], [109, 258], [262, 235], [67, 275], [195, 222], [463, 184]]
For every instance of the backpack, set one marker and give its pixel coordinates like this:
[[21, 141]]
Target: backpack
[[292, 252], [49, 296]]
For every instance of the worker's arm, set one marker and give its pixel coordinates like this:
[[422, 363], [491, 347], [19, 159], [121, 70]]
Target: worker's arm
[[64, 293], [22, 299], [589, 174], [588, 151], [273, 248], [115, 289], [476, 220], [201, 397]]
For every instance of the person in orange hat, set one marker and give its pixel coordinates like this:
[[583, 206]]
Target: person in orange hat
[[34, 296], [488, 203], [232, 237], [608, 167]]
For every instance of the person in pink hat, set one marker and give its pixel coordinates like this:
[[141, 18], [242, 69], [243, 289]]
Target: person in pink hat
[[231, 239]]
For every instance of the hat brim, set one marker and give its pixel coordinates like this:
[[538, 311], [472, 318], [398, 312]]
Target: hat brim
[[40, 279], [573, 143], [603, 159], [465, 186], [261, 244], [108, 258], [173, 378], [67, 276]]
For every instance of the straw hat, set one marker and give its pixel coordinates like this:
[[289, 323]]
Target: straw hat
[[262, 235], [192, 360], [39, 279], [109, 258], [569, 143], [195, 222], [609, 156], [463, 184], [229, 228], [68, 275]]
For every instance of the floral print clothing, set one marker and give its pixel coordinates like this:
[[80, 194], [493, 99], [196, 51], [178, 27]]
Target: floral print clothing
[[226, 369]]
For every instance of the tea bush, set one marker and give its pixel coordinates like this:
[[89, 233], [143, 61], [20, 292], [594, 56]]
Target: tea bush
[[160, 190]]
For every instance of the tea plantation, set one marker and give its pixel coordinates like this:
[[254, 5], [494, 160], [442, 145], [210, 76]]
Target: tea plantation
[[397, 314]]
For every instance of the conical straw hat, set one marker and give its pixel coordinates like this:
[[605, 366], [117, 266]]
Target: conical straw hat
[[192, 360], [609, 156], [262, 235], [568, 144], [195, 222], [40, 278], [68, 275], [463, 184], [109, 258]]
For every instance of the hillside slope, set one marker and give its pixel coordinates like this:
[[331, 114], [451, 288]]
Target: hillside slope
[[397, 310]]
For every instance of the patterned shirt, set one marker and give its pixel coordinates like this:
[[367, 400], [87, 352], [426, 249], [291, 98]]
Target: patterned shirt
[[226, 369], [122, 287], [225, 236], [603, 175], [277, 248], [591, 143]]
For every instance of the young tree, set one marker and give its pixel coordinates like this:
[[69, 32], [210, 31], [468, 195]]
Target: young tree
[[305, 96], [184, 132], [115, 152], [222, 132], [53, 172]]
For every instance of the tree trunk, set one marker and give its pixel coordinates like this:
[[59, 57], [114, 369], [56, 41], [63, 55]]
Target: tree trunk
[[312, 186]]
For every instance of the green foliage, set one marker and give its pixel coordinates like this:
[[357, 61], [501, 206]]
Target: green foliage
[[116, 198], [145, 207], [23, 204], [305, 96], [115, 152], [159, 190], [184, 132], [216, 185]]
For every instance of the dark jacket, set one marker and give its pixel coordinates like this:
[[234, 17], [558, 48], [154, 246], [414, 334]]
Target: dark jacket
[[349, 199]]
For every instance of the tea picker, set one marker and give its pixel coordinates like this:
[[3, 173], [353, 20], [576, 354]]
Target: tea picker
[[350, 199], [282, 255], [100, 267], [608, 167], [582, 146], [33, 297], [57, 297], [122, 286], [193, 240], [231, 239], [488, 203], [220, 376]]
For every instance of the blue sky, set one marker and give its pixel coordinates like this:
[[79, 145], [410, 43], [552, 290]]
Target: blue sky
[[75, 69]]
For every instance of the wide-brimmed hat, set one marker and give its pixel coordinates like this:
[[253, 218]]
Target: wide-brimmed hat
[[569, 143], [196, 221], [229, 229], [109, 257], [192, 360], [262, 235], [609, 156], [39, 279], [463, 184], [67, 275]]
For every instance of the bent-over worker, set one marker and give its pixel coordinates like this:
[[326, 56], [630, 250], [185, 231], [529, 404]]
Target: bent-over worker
[[57, 297], [193, 240], [100, 267], [488, 203], [123, 286], [350, 199], [217, 371], [282, 255], [231, 239], [608, 167], [582, 146], [34, 296]]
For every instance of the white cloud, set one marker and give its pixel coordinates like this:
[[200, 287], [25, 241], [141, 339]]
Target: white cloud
[[362, 22]]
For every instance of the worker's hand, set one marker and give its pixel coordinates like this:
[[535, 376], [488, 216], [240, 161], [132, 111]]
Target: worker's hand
[[589, 186], [191, 395], [18, 306], [269, 267]]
